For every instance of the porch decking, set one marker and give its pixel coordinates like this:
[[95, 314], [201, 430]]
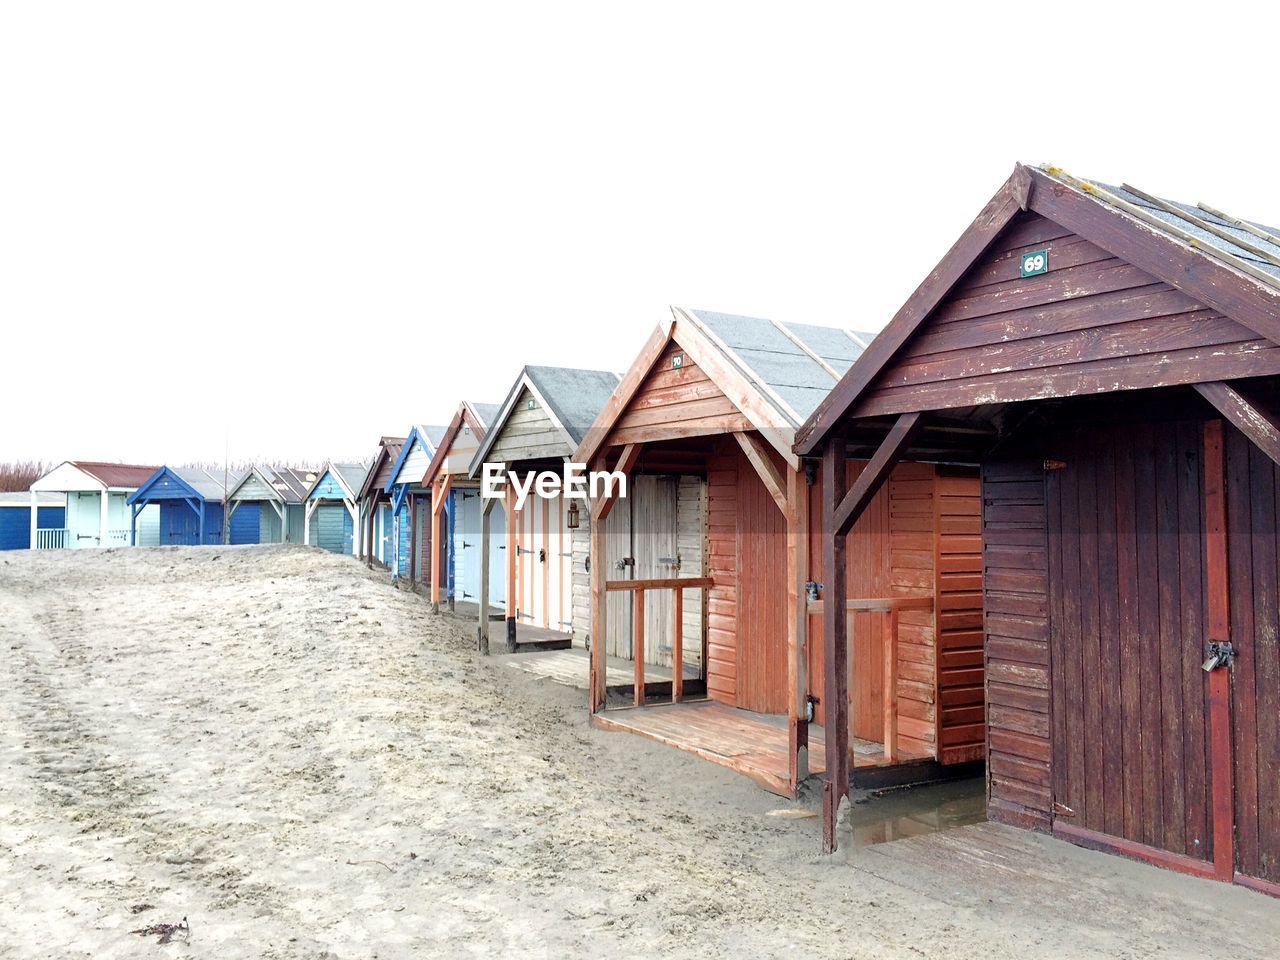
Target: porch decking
[[752, 744]]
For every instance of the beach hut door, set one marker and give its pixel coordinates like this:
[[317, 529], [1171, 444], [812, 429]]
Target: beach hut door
[[656, 552]]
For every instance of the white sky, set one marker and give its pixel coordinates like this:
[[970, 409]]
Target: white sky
[[306, 225]]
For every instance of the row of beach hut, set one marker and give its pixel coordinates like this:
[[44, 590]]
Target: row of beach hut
[[1032, 523]]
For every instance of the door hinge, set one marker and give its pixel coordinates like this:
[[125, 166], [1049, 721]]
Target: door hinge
[[1055, 464]]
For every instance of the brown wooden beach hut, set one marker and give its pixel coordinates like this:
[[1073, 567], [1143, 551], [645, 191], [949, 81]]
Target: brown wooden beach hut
[[708, 564], [376, 542], [1112, 361]]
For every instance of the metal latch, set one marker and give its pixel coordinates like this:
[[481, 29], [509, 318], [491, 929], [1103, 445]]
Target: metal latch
[[542, 555], [626, 562], [811, 588], [1218, 653]]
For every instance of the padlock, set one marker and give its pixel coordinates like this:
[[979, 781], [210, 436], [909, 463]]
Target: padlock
[[1218, 654]]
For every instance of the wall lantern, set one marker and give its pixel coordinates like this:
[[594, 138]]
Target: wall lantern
[[572, 518]]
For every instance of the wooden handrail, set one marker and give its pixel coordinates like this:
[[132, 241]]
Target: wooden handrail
[[677, 585], [876, 605], [892, 607]]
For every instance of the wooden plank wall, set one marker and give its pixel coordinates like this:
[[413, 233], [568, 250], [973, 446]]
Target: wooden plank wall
[[962, 731], [528, 434], [722, 566], [677, 402], [581, 592], [913, 559], [1015, 572], [1253, 527], [1111, 320], [761, 629], [1126, 561], [691, 523]]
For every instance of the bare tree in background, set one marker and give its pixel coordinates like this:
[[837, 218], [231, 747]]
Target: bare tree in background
[[19, 475]]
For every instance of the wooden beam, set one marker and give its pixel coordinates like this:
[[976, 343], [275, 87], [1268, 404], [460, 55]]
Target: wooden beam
[[604, 504], [890, 692], [637, 647], [995, 216], [599, 613], [513, 567], [677, 645], [666, 583], [765, 469], [797, 628], [482, 626], [876, 473], [1260, 426], [835, 642], [1218, 606]]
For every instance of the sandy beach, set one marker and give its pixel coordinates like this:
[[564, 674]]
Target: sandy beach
[[304, 761]]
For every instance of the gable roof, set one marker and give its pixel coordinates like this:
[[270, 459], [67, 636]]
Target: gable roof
[[388, 449], [426, 436], [477, 416], [571, 397], [1222, 261], [288, 484], [115, 474], [196, 482], [776, 373], [350, 477]]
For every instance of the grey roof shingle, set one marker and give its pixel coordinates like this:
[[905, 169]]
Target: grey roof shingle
[[778, 366], [574, 396]]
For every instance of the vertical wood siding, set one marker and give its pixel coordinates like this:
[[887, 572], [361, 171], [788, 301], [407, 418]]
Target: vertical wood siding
[[691, 523], [1253, 519], [1127, 509], [1109, 321], [1015, 572], [581, 540]]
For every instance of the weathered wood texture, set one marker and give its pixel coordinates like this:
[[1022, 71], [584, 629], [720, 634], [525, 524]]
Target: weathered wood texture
[[1253, 530], [1091, 324], [581, 586], [1015, 575], [528, 433], [957, 505], [920, 536], [722, 566], [1127, 598], [676, 402]]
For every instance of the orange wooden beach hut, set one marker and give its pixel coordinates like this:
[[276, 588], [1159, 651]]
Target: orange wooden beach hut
[[710, 563]]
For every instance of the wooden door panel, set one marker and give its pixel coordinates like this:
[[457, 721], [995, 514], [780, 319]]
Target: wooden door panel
[[1253, 521], [1126, 562]]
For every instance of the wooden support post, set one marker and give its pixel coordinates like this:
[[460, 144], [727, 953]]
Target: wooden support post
[[677, 645], [482, 625], [438, 499], [368, 536], [599, 609], [891, 685], [413, 543], [1218, 602], [600, 510], [797, 627], [637, 647], [513, 569], [835, 641]]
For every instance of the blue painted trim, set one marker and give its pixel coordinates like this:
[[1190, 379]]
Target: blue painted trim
[[141, 493], [414, 436]]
